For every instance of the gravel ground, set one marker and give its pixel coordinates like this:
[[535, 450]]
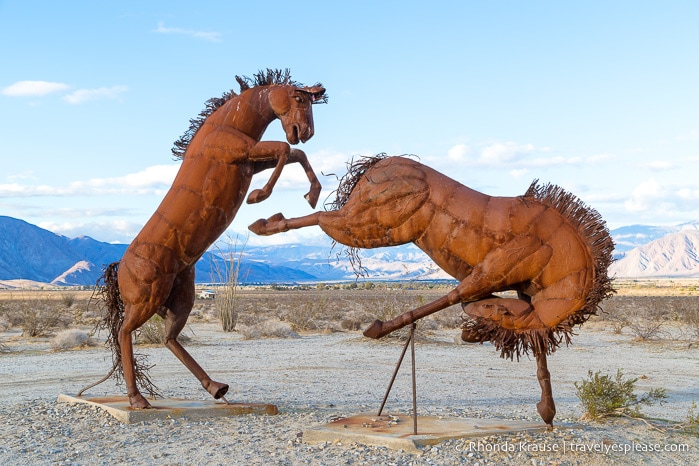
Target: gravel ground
[[315, 378]]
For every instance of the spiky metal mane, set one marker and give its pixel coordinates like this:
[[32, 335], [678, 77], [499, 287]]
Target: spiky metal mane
[[593, 231], [211, 105], [268, 77]]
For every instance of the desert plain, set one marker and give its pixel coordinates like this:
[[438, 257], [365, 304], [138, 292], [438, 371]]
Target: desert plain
[[301, 348]]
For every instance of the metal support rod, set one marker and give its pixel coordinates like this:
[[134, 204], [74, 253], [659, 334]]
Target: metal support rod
[[395, 372], [410, 341], [412, 355]]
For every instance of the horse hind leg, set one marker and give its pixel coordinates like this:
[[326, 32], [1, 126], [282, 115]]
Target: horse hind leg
[[516, 314], [177, 308], [277, 223], [546, 407], [134, 317]]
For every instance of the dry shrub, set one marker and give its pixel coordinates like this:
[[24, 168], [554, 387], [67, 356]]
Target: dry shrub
[[68, 299], [39, 318], [153, 333], [69, 339], [310, 315], [647, 317], [267, 329], [645, 325], [602, 395], [4, 323], [691, 322]]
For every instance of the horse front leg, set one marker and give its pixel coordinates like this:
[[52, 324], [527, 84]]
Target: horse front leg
[[297, 155], [267, 151]]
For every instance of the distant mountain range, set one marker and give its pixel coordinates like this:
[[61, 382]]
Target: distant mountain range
[[30, 253]]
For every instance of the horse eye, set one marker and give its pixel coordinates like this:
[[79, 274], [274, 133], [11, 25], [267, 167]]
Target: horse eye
[[298, 99]]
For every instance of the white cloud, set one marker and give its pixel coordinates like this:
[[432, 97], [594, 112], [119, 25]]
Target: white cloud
[[458, 152], [153, 180], [84, 95], [119, 231], [658, 165], [34, 88], [645, 195], [209, 36], [519, 173], [505, 153]]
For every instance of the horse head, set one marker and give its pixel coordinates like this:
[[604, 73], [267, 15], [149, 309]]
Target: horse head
[[292, 105]]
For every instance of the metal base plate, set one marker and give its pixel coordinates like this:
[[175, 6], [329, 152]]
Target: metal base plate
[[396, 431], [169, 408]]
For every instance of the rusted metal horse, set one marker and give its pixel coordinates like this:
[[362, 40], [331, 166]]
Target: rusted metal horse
[[546, 245], [220, 153]]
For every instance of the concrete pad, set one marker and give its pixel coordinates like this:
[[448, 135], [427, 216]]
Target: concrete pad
[[169, 408], [396, 431]]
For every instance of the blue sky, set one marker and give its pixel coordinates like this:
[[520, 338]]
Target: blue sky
[[598, 97]]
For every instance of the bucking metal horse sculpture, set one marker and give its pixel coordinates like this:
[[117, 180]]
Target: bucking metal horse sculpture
[[546, 245], [220, 153]]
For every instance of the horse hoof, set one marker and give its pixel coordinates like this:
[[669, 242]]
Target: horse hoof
[[312, 198], [547, 411], [256, 196], [259, 227], [138, 402], [374, 330]]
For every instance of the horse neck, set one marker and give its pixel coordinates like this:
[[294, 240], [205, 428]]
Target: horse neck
[[249, 112]]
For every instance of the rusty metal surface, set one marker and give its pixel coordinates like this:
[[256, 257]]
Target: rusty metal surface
[[220, 153], [546, 245]]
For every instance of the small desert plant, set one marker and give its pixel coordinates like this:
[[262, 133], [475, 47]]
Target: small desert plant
[[69, 339], [229, 274], [68, 299], [268, 329], [692, 424], [38, 318], [645, 325], [604, 396], [691, 320], [152, 332], [311, 314]]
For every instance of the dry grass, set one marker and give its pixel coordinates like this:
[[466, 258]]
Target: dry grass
[[663, 310], [71, 339], [653, 317]]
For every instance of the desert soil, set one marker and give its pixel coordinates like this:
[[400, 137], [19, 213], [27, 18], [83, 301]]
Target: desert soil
[[318, 377]]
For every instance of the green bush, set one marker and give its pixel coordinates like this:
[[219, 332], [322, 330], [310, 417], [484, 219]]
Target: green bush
[[604, 396]]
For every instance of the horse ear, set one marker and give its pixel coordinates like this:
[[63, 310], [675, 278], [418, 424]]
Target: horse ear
[[279, 100]]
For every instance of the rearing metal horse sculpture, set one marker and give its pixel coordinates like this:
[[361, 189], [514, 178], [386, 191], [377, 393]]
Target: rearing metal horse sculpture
[[546, 245], [220, 153]]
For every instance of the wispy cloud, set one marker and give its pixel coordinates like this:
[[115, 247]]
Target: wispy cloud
[[78, 96], [516, 157], [117, 231], [153, 180], [658, 165], [85, 95], [209, 36], [34, 88]]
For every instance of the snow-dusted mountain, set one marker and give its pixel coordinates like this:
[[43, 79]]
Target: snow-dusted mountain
[[630, 237], [673, 255], [30, 253]]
